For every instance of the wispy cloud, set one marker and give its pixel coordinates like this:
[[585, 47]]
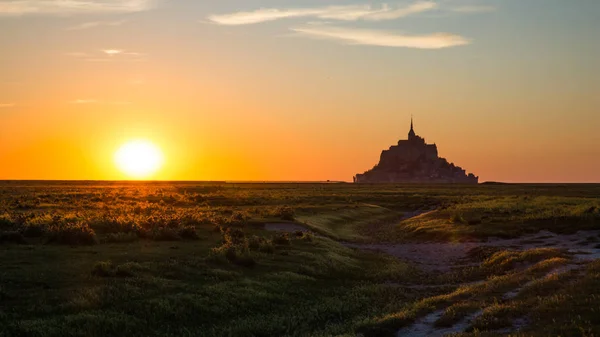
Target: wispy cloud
[[474, 9], [84, 101], [7, 105], [66, 7], [107, 55], [94, 101], [94, 24], [112, 52], [382, 38], [342, 13]]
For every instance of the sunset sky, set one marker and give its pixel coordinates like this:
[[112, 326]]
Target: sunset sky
[[299, 90]]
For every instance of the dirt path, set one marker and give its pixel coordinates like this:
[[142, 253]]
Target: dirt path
[[425, 326], [445, 256], [441, 257]]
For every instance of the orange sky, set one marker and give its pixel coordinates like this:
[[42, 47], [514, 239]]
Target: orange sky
[[229, 100]]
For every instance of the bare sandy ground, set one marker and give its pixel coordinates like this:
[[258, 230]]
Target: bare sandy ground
[[425, 326], [445, 256], [436, 256]]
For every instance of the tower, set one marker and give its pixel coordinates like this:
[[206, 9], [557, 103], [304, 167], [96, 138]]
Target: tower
[[411, 134]]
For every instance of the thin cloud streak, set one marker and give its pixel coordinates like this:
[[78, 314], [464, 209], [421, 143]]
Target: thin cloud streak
[[382, 38], [7, 105], [341, 13], [89, 25], [66, 7], [112, 52], [474, 9], [84, 101], [93, 101], [108, 55]]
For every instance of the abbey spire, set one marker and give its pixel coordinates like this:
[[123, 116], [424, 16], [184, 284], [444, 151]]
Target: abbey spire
[[412, 133]]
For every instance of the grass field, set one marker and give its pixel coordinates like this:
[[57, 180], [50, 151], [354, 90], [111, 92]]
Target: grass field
[[193, 259]]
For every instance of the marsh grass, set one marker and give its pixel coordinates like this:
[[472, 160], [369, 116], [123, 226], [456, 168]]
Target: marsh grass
[[184, 290], [220, 274], [456, 312], [72, 233], [506, 217], [471, 298]]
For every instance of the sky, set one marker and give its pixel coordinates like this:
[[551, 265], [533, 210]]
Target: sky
[[299, 90]]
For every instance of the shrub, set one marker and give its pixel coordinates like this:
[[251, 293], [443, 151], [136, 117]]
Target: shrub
[[103, 269], [110, 224], [285, 213], [35, 226], [239, 257], [282, 239], [72, 234], [232, 254], [217, 255], [12, 237], [234, 237], [261, 244], [6, 221], [238, 219]]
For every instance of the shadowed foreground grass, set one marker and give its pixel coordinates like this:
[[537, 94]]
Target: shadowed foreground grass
[[147, 288]]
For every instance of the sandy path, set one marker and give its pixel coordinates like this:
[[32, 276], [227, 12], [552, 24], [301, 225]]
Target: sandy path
[[445, 256], [441, 257], [425, 326]]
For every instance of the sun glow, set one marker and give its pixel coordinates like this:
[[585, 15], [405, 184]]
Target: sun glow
[[139, 159]]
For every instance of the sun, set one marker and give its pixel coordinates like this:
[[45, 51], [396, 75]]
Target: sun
[[139, 159]]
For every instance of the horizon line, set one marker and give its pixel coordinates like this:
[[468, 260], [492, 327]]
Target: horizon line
[[284, 182]]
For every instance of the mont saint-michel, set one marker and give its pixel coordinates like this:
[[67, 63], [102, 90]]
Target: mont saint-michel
[[415, 161]]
